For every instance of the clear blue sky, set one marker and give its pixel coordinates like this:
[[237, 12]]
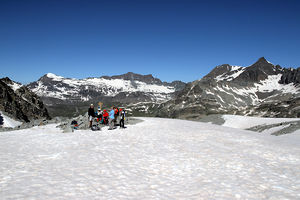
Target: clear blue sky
[[171, 39]]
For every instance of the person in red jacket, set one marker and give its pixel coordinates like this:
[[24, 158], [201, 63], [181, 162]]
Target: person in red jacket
[[116, 114], [105, 117]]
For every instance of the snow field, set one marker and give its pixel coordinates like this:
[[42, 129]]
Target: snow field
[[244, 122], [155, 159], [9, 122]]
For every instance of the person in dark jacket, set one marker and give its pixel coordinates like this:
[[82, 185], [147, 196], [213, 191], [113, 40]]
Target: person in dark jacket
[[122, 117], [91, 113], [99, 115]]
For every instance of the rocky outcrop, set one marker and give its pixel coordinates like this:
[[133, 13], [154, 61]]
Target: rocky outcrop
[[19, 102], [290, 76]]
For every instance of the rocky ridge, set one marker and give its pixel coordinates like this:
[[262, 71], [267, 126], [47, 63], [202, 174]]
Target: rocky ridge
[[17, 101]]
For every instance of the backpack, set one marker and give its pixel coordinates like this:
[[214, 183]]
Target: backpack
[[96, 128], [74, 122]]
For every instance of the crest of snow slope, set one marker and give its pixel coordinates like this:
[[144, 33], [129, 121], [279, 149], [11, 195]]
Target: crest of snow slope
[[9, 122], [244, 122], [108, 87], [155, 159]]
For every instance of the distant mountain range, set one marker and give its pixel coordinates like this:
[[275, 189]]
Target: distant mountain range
[[262, 89], [67, 95], [126, 88]]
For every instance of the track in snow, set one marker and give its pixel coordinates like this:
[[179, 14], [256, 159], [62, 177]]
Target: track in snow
[[156, 159]]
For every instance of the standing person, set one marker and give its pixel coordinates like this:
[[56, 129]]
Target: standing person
[[116, 115], [91, 113], [105, 117], [111, 118], [122, 117], [99, 115]]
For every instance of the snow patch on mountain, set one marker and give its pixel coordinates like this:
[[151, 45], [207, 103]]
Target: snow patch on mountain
[[234, 72], [272, 83], [54, 77], [15, 86], [245, 122], [9, 122]]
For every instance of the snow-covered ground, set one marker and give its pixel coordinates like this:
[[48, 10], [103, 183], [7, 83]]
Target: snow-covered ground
[[155, 159], [244, 122], [9, 122]]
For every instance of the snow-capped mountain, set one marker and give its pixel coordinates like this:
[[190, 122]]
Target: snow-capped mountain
[[129, 87], [19, 102], [260, 89], [69, 96]]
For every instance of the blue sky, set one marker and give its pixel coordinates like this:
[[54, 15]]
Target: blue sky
[[171, 39]]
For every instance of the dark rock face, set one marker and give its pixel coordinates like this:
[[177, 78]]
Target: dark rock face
[[21, 103], [217, 71], [290, 76], [178, 85], [258, 71], [136, 77]]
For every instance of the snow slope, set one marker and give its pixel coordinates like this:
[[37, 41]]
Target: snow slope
[[155, 159], [235, 72], [15, 86], [9, 122], [244, 122]]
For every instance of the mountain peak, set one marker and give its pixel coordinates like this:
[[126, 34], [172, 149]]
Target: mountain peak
[[262, 60], [51, 76], [6, 80]]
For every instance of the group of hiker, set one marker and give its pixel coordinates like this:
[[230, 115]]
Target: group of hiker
[[111, 118]]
